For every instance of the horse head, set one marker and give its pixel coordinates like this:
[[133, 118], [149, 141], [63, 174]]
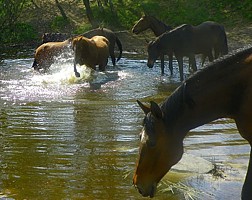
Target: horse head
[[153, 53], [160, 149], [141, 25]]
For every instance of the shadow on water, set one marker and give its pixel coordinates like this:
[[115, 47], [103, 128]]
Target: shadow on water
[[64, 137]]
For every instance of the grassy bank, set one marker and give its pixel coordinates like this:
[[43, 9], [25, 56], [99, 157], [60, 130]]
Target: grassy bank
[[36, 17]]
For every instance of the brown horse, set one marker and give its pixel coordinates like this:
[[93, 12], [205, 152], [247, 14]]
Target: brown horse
[[110, 35], [185, 40], [158, 28], [223, 89], [46, 53], [219, 37], [91, 52]]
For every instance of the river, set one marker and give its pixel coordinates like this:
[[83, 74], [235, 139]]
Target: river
[[63, 137]]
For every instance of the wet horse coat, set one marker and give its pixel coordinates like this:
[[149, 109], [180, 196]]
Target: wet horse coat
[[187, 40], [107, 33], [46, 53], [90, 52], [223, 89]]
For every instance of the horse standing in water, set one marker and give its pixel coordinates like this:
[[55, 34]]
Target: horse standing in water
[[223, 89], [158, 28], [91, 52], [186, 40], [107, 33], [217, 31]]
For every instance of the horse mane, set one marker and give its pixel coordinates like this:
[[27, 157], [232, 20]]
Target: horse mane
[[167, 27], [175, 104], [220, 67]]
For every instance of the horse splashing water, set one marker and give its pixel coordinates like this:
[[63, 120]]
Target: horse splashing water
[[91, 52], [221, 90], [46, 53]]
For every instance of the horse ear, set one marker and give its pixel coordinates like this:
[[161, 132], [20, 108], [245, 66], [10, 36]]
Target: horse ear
[[145, 108], [156, 110]]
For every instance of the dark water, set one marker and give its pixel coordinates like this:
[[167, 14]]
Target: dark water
[[68, 138]]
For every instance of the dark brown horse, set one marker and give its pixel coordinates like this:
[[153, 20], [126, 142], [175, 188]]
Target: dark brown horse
[[110, 35], [55, 37], [219, 42], [158, 28], [186, 40], [91, 52], [223, 89]]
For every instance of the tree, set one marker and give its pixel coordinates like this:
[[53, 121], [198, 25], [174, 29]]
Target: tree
[[89, 13], [62, 12]]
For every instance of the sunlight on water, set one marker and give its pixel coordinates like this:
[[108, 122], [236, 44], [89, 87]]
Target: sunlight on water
[[63, 74]]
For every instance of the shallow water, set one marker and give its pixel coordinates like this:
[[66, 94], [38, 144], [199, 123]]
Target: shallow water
[[64, 137]]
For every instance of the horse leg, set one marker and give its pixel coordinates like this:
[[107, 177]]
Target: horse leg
[[180, 63], [77, 74], [170, 62], [162, 64], [203, 59], [192, 63], [246, 189]]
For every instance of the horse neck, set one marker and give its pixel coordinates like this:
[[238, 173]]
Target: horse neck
[[200, 103], [158, 27]]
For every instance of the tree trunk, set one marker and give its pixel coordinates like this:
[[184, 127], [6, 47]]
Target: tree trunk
[[89, 13], [62, 12]]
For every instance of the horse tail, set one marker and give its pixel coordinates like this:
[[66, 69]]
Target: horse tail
[[119, 44], [224, 47]]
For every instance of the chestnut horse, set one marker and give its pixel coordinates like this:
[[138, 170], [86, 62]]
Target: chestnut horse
[[223, 89], [91, 52], [46, 53], [186, 40], [149, 22]]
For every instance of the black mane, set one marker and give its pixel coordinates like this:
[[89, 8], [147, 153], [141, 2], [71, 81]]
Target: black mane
[[176, 102]]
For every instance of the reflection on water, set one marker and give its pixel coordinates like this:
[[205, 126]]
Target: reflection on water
[[64, 137]]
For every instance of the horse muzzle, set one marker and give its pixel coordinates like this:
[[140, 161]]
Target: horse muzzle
[[147, 191], [150, 64]]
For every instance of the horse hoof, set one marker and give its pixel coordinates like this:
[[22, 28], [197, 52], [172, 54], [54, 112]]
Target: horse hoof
[[77, 74]]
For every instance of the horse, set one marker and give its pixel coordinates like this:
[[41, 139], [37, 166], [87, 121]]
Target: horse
[[158, 28], [219, 36], [91, 52], [45, 53], [186, 40], [112, 38], [55, 37], [110, 35], [221, 90]]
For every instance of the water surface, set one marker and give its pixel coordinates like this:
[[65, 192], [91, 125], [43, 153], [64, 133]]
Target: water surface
[[63, 137]]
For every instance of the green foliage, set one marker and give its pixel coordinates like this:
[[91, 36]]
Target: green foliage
[[21, 32], [59, 23], [82, 28]]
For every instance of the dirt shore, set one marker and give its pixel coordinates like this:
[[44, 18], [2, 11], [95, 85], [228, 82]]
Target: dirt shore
[[237, 37]]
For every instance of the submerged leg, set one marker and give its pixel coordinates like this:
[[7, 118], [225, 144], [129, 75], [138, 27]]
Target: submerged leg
[[170, 63], [162, 64], [247, 187], [192, 62], [77, 74], [180, 63]]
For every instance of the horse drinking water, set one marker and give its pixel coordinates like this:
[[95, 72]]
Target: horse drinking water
[[216, 33], [187, 40], [223, 89]]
